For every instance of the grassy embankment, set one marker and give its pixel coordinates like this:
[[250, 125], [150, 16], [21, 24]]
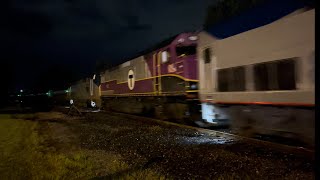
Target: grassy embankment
[[27, 153], [24, 155]]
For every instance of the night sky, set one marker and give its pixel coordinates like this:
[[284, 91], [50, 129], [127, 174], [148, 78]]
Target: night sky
[[66, 38]]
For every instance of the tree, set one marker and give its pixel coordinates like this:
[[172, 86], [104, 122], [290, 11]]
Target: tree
[[227, 8]]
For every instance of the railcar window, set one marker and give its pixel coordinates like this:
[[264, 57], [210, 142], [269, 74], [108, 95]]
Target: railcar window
[[186, 50], [238, 79], [223, 80], [273, 76], [286, 74], [261, 79], [277, 75], [207, 56], [231, 79]]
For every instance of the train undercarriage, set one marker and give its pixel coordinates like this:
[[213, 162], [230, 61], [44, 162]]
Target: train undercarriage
[[252, 120], [171, 108]]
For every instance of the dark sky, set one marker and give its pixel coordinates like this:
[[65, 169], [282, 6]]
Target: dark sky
[[39, 37]]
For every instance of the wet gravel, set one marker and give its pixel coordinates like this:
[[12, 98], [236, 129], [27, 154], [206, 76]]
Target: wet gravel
[[181, 153]]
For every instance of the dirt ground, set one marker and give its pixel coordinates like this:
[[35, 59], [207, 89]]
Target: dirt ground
[[105, 146]]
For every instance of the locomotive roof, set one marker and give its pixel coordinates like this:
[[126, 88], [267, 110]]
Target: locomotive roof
[[261, 15], [158, 45]]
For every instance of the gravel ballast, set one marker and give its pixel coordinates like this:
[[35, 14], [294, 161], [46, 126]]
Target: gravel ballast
[[182, 153]]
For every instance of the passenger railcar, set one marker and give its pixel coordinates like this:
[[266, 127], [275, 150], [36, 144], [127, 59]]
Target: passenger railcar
[[262, 80], [158, 82]]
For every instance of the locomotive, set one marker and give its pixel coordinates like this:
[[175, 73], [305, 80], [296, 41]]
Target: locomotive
[[162, 82], [84, 93], [266, 85]]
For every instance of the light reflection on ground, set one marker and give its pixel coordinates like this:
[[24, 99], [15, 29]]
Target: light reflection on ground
[[205, 140]]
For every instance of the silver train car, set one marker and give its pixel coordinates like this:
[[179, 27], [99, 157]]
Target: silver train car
[[261, 81], [85, 93]]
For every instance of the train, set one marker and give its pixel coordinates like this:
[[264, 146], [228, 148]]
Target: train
[[257, 81], [266, 85], [162, 82]]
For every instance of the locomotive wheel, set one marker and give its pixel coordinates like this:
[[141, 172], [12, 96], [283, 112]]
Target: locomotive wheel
[[159, 112], [174, 112]]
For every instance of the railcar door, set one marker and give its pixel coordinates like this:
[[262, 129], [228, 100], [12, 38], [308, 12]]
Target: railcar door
[[209, 70]]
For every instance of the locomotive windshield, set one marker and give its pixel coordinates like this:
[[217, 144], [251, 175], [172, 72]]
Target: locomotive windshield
[[186, 50]]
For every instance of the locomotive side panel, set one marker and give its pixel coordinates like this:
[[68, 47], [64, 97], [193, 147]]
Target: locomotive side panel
[[288, 37], [118, 81]]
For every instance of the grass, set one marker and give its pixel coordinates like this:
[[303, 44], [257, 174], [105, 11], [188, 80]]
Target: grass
[[23, 155], [143, 174], [22, 116], [26, 153]]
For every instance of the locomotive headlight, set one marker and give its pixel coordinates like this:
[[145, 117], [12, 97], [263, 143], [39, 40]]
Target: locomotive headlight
[[193, 86], [71, 101], [193, 38], [93, 104]]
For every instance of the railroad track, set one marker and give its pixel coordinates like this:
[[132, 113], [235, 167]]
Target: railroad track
[[299, 151]]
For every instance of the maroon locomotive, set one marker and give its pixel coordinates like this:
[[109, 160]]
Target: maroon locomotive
[[162, 81]]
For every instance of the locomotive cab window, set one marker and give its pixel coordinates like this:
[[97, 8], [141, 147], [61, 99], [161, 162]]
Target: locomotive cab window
[[186, 50], [165, 57], [207, 55]]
